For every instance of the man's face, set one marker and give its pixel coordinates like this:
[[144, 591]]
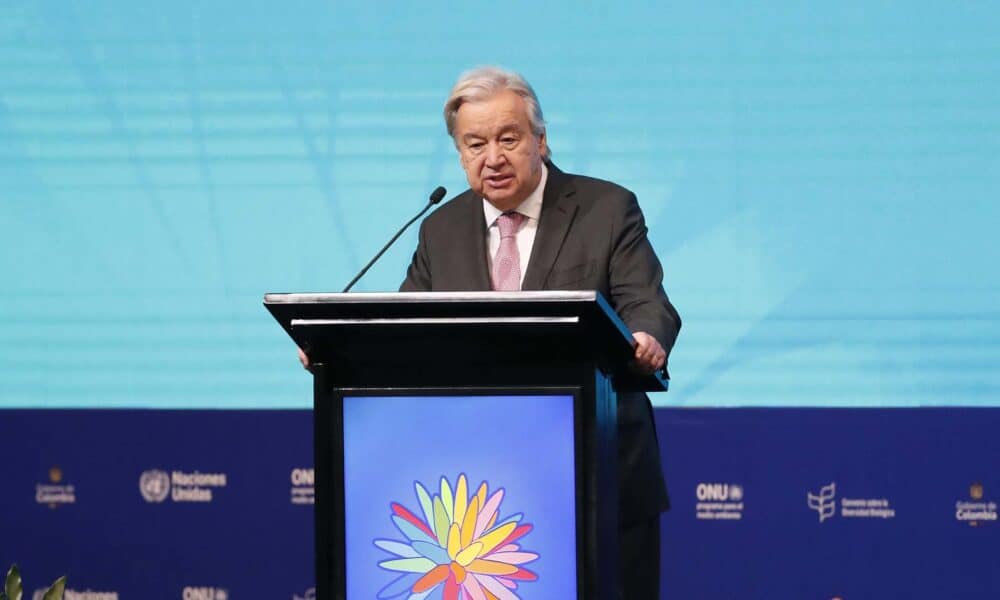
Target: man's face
[[502, 158]]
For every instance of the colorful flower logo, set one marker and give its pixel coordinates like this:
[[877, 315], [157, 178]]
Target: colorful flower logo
[[460, 550]]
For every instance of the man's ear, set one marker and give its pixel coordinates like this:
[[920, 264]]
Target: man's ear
[[543, 146]]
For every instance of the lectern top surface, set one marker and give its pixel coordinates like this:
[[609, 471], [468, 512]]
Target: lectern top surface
[[404, 297], [358, 326]]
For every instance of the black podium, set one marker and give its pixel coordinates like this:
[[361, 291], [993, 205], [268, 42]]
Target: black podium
[[464, 442]]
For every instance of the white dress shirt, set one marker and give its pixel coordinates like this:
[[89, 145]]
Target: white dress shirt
[[530, 208]]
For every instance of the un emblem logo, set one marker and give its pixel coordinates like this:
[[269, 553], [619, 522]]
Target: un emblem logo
[[154, 485], [735, 492]]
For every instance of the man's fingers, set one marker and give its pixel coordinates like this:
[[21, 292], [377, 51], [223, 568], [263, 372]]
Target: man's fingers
[[646, 345], [649, 354]]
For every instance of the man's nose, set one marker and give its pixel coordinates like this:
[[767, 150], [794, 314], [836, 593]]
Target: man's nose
[[494, 155]]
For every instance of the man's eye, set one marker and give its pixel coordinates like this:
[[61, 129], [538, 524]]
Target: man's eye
[[508, 140]]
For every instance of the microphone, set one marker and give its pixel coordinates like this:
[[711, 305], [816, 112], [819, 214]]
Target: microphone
[[436, 197]]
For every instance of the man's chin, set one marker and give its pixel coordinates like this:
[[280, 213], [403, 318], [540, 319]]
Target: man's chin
[[502, 199], [504, 203]]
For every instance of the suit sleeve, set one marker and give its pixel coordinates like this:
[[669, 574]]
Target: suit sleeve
[[418, 275], [636, 278]]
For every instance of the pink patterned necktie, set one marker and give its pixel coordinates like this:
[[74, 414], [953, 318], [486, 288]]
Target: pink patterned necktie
[[507, 262]]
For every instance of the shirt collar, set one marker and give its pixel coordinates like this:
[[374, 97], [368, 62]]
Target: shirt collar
[[531, 207]]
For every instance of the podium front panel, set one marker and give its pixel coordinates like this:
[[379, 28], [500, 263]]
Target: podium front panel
[[460, 490]]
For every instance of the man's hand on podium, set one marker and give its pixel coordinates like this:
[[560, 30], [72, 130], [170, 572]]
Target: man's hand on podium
[[649, 354]]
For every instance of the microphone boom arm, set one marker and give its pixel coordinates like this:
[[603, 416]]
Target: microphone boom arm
[[436, 197]]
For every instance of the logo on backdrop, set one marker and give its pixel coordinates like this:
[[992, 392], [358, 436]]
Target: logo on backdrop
[[825, 504], [303, 486], [56, 492], [309, 595], [719, 501], [156, 486], [977, 512], [460, 544], [69, 594], [204, 593]]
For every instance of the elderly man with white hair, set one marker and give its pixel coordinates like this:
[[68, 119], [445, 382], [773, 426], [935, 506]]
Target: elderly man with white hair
[[526, 225]]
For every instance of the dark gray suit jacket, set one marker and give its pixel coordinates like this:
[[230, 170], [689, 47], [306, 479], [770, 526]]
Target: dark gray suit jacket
[[591, 236]]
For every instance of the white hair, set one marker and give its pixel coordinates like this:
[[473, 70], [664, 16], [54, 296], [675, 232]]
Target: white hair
[[482, 83]]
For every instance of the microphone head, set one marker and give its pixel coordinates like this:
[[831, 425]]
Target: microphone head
[[438, 194]]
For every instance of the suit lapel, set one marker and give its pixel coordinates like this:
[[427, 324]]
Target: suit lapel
[[558, 209], [474, 262]]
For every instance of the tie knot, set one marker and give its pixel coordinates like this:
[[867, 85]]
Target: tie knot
[[508, 223]]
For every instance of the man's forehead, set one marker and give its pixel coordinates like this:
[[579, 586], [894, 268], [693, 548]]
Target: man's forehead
[[473, 129], [505, 105]]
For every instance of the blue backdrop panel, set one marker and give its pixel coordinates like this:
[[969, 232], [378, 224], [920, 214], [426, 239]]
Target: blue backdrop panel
[[250, 540], [776, 503], [887, 486]]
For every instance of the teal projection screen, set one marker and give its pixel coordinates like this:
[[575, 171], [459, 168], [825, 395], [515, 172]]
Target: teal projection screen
[[820, 181]]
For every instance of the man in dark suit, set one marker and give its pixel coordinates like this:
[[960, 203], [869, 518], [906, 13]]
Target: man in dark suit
[[526, 225]]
